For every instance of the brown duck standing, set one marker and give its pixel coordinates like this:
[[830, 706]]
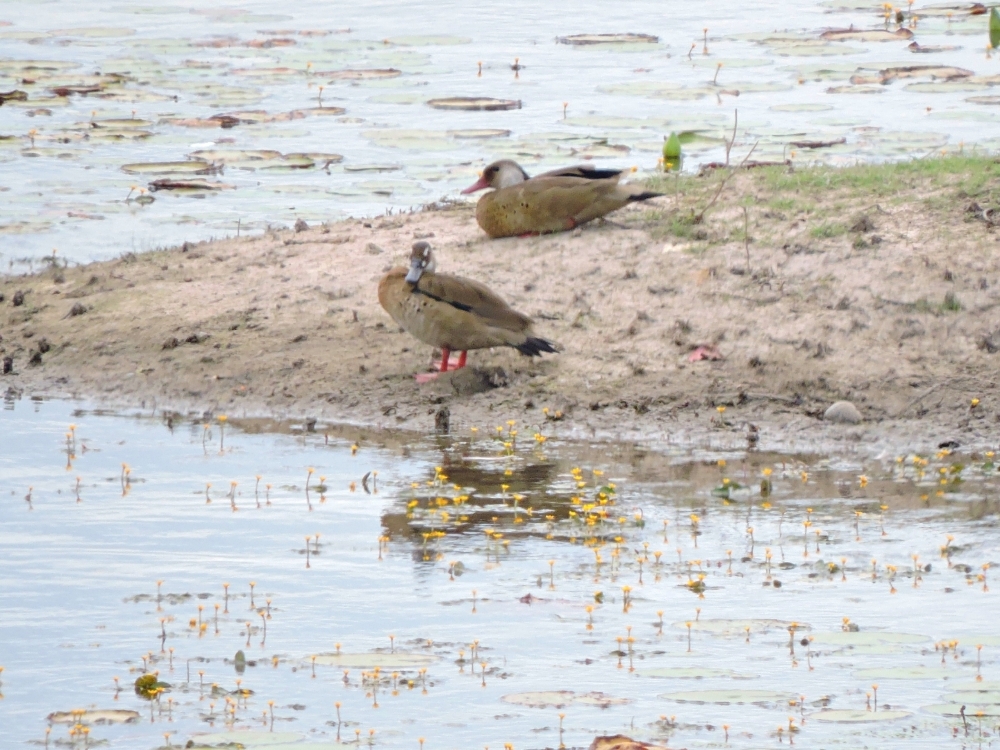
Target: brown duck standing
[[551, 202], [453, 313]]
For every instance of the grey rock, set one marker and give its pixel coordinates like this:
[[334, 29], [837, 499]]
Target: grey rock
[[842, 412]]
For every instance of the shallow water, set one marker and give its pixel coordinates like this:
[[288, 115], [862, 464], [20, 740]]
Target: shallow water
[[64, 185], [102, 562]]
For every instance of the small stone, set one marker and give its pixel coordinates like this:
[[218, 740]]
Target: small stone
[[35, 359], [197, 338], [842, 412], [43, 345], [18, 299], [311, 424], [171, 343], [8, 365], [442, 420], [300, 225], [77, 309], [372, 249]]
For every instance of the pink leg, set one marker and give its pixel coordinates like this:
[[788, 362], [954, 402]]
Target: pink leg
[[426, 377], [461, 360]]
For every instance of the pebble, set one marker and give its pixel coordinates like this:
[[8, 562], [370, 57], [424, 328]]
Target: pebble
[[842, 412]]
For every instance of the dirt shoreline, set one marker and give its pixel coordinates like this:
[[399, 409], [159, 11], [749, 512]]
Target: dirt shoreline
[[879, 287]]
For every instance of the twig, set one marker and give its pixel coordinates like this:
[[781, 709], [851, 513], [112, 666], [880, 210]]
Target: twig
[[917, 400], [746, 236], [732, 141], [701, 216]]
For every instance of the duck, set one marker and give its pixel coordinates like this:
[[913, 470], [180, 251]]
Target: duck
[[453, 313], [556, 201]]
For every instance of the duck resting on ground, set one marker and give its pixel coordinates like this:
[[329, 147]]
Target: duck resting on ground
[[453, 313], [551, 202]]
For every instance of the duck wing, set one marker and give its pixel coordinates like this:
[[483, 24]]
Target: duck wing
[[582, 171], [470, 296]]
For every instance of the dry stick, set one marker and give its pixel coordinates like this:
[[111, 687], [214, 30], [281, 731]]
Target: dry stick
[[746, 236], [701, 216], [917, 400], [731, 141]]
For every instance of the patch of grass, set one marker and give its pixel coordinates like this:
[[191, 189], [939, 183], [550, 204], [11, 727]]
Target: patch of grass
[[827, 230], [951, 303]]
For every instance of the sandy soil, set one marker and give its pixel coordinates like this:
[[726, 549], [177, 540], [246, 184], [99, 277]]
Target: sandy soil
[[899, 316]]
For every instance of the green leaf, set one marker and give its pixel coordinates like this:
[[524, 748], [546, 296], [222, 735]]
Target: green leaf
[[672, 148], [994, 28]]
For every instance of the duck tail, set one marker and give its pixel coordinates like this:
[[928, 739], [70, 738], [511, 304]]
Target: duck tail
[[534, 346], [645, 196]]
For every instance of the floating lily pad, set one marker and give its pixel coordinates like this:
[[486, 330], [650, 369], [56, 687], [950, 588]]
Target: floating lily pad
[[560, 698], [94, 32], [122, 123], [989, 100], [693, 673], [945, 87], [865, 638], [429, 40], [738, 627], [801, 107], [169, 167], [956, 709], [94, 716], [383, 661], [907, 673], [475, 103], [977, 697], [729, 697], [249, 738], [986, 686], [866, 35], [362, 75], [188, 186], [589, 39], [479, 133], [813, 49], [848, 716]]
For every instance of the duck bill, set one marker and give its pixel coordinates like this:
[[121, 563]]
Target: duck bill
[[481, 184], [413, 276]]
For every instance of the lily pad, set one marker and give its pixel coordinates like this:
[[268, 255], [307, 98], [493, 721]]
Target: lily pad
[[730, 697], [169, 167], [478, 133], [693, 673], [122, 123], [248, 737], [865, 638], [849, 716], [866, 35], [362, 75], [945, 87], [977, 697], [801, 107], [907, 673], [429, 40], [474, 103], [738, 627], [383, 661], [589, 39], [813, 49], [956, 709], [561, 698], [188, 186], [94, 716], [989, 100]]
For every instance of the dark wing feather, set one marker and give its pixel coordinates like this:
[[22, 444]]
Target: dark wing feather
[[584, 171], [473, 297]]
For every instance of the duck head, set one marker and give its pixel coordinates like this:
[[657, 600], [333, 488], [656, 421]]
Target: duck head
[[421, 261], [499, 174]]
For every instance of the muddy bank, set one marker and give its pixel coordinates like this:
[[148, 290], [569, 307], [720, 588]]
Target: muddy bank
[[878, 285]]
